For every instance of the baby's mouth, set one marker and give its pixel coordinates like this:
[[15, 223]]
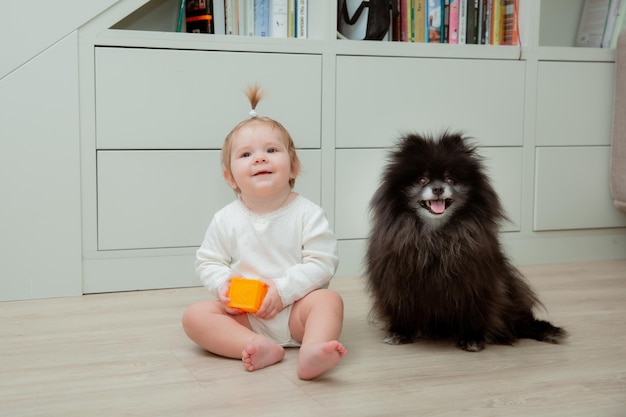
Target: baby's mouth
[[262, 173], [436, 206]]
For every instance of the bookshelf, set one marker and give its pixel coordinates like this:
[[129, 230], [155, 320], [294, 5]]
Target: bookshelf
[[345, 102]]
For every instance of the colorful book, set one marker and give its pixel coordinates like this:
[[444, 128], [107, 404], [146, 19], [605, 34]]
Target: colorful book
[[435, 20], [262, 18], [453, 29], [497, 19], [445, 31], [199, 16], [302, 19], [511, 25], [419, 20], [462, 31], [279, 15], [473, 18]]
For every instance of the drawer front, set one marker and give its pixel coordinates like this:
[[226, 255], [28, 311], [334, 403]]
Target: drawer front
[[359, 172], [574, 103], [175, 99], [166, 199], [572, 189], [379, 98]]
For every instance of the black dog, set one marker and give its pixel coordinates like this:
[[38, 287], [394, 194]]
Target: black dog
[[435, 267]]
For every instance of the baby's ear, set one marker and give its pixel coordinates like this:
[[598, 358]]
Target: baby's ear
[[228, 176]]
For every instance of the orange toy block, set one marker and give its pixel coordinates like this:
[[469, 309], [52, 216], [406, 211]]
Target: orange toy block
[[246, 294]]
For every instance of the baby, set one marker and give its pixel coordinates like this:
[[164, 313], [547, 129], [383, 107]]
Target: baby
[[275, 235]]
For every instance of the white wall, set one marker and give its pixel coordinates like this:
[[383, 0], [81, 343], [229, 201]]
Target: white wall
[[40, 238]]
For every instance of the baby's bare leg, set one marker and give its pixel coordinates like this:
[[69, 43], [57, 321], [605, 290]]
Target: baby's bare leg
[[316, 320], [208, 325]]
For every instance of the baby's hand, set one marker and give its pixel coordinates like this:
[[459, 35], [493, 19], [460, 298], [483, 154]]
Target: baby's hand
[[224, 299], [272, 304]]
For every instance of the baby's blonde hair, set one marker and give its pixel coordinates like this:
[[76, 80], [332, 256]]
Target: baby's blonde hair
[[255, 95]]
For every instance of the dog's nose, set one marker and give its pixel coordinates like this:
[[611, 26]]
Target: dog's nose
[[437, 191]]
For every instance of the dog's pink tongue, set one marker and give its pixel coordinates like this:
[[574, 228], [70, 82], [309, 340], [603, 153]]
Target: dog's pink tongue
[[438, 206]]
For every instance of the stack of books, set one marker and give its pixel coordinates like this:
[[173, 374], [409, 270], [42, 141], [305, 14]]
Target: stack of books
[[483, 22], [266, 18]]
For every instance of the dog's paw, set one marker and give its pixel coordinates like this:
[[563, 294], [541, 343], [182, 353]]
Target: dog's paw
[[396, 339], [555, 335], [471, 345]]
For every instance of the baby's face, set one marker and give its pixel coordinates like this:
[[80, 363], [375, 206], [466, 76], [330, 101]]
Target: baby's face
[[259, 162]]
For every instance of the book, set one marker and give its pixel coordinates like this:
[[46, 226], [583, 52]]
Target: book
[[278, 14], [405, 25], [620, 23], [262, 18], [291, 18], [445, 31], [453, 30], [199, 16], [497, 19], [419, 20], [611, 18], [473, 14], [462, 21], [434, 15], [302, 19], [219, 17], [511, 24], [247, 10], [591, 24], [230, 12]]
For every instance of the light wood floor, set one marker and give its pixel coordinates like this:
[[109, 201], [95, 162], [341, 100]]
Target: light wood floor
[[125, 354]]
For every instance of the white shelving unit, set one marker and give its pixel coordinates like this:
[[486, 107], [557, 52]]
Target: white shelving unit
[[157, 104]]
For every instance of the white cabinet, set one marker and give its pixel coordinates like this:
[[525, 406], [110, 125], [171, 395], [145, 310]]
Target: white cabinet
[[572, 189], [156, 106], [165, 199], [180, 99], [574, 103], [380, 97]]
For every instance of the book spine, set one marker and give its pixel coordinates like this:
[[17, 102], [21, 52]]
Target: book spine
[[278, 18], [610, 23], [249, 17], [261, 18], [419, 20], [229, 14], [434, 15], [199, 16], [453, 36], [302, 16], [495, 36], [462, 31], [511, 34], [445, 32], [473, 14], [619, 23], [291, 19]]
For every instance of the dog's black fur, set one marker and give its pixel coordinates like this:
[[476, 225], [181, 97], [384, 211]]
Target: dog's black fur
[[435, 267]]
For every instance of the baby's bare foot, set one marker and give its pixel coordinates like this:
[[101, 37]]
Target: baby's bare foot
[[261, 353], [316, 359]]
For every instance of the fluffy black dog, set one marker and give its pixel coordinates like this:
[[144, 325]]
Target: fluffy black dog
[[435, 267]]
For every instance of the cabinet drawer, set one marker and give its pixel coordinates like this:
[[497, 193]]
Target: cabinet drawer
[[176, 99], [574, 103], [378, 98], [358, 175], [572, 189], [165, 199]]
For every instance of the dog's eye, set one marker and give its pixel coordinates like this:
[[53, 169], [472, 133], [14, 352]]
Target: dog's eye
[[423, 181], [450, 180]]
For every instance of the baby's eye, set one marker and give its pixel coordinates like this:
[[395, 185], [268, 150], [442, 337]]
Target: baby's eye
[[245, 154], [272, 150]]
